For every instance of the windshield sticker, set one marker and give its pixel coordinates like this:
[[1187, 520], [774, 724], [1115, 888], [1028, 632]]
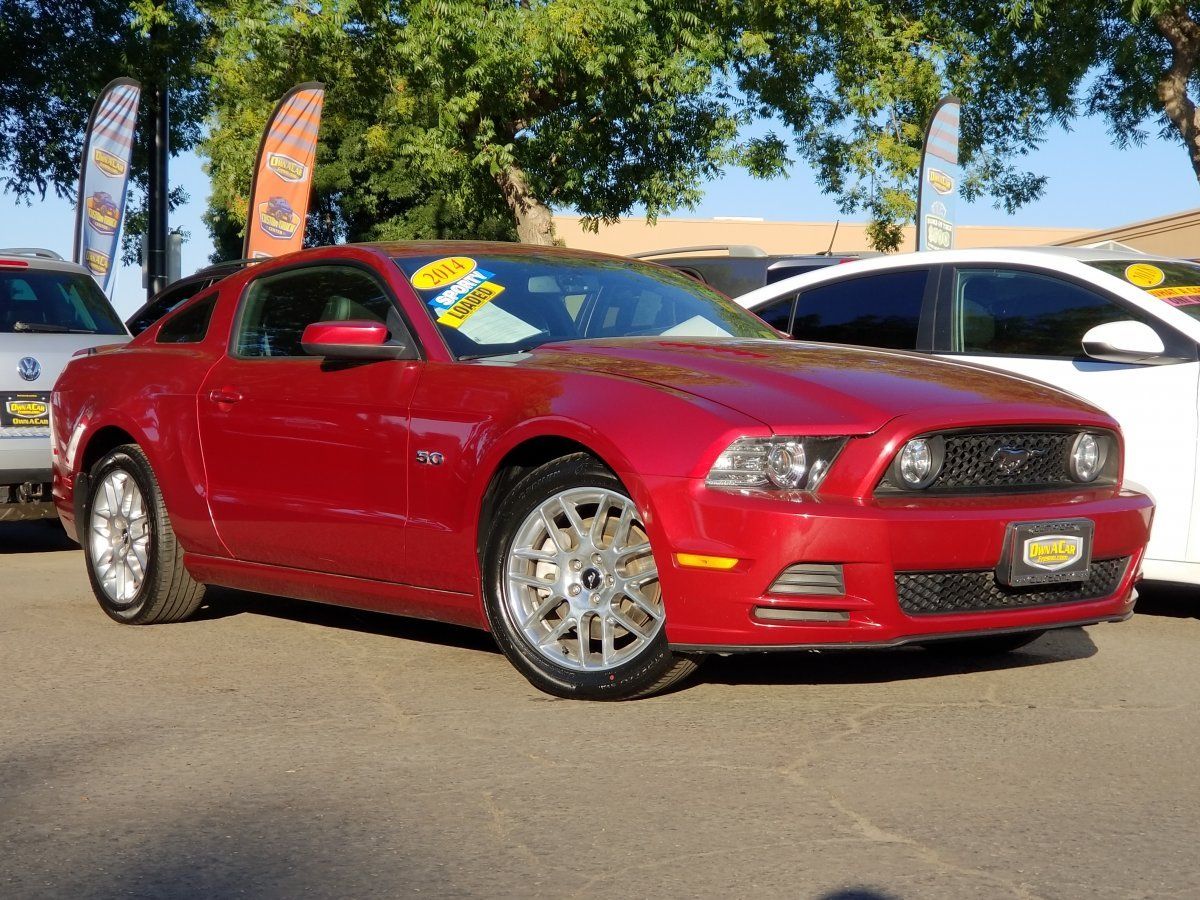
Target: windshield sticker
[[1178, 296], [1144, 275], [442, 272], [494, 325], [463, 299], [697, 326]]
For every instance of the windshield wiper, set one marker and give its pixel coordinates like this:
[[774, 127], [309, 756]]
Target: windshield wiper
[[513, 352], [43, 328]]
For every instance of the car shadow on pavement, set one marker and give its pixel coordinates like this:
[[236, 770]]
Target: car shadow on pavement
[[1177, 601], [220, 603], [41, 536], [880, 666]]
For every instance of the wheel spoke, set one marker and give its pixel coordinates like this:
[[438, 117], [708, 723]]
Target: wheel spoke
[[583, 635], [553, 532], [608, 640], [557, 632], [110, 497], [621, 534], [572, 515], [543, 608], [534, 555], [596, 532], [628, 624], [639, 600], [635, 550], [531, 581]]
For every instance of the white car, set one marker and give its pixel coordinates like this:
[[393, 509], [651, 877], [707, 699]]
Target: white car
[[1120, 329], [49, 310]]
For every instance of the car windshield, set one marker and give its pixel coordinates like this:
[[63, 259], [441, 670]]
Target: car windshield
[[54, 302], [506, 303], [1176, 283]]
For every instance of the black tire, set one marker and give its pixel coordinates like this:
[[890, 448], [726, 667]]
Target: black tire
[[654, 669], [987, 645], [167, 592]]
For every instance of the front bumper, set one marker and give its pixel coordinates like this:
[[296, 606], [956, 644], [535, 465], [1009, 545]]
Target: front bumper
[[872, 540]]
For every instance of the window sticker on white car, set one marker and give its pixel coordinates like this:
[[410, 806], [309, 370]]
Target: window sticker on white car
[[442, 272], [1144, 275], [696, 326], [1187, 295]]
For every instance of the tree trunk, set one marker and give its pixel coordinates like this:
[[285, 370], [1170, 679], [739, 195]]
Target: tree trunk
[[535, 225], [1181, 30]]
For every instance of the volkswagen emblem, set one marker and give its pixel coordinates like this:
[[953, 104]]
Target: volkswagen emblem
[[1011, 460], [29, 368]]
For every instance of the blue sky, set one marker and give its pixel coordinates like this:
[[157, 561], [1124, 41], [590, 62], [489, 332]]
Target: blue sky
[[1092, 185]]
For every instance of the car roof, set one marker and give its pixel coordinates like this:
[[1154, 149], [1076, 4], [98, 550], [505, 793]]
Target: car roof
[[432, 248], [35, 260]]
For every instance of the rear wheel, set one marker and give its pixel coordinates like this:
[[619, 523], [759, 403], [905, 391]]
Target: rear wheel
[[134, 562], [987, 645], [573, 594]]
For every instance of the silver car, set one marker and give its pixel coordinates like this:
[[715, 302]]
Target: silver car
[[49, 310]]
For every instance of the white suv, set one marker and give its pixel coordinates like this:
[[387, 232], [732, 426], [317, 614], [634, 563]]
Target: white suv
[[49, 310]]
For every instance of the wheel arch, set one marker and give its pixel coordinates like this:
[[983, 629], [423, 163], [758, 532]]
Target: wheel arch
[[518, 461]]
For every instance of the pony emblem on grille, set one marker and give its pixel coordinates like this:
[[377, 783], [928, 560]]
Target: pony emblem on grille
[[1011, 460]]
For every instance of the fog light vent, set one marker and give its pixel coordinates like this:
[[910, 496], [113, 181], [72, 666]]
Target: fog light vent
[[811, 579]]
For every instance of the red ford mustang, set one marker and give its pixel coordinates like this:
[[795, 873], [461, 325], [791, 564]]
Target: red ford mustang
[[612, 468]]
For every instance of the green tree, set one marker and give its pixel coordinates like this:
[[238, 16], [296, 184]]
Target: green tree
[[445, 116], [852, 84], [59, 55]]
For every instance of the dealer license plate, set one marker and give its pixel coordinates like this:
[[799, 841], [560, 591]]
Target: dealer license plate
[[1046, 552], [24, 410]]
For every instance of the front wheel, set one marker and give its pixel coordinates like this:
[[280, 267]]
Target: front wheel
[[134, 562], [572, 593]]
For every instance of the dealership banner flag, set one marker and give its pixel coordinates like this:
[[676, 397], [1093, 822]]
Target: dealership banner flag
[[283, 174], [104, 178], [940, 174]]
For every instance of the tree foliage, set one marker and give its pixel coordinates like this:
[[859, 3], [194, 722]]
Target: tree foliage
[[449, 114], [58, 56], [853, 83], [473, 118]]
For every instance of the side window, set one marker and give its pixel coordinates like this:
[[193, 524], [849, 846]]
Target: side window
[[778, 314], [190, 325], [1025, 314], [277, 308], [780, 272], [171, 298], [881, 310]]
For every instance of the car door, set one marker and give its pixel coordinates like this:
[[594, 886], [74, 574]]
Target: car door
[[892, 309], [1032, 322], [305, 458]]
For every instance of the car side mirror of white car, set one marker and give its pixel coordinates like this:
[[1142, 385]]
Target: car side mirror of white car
[[1124, 342]]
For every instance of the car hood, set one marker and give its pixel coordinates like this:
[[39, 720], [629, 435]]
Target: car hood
[[801, 387]]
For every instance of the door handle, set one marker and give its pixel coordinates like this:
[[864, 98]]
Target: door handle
[[224, 395]]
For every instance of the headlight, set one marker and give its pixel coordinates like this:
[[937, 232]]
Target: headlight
[[775, 463], [1087, 457]]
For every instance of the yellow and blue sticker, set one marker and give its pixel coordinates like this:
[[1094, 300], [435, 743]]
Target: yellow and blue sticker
[[466, 288]]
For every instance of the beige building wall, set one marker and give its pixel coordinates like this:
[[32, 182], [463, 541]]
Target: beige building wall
[[1175, 235], [633, 235]]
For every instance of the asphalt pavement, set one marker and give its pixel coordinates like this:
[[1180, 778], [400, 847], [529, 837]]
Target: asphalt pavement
[[272, 748]]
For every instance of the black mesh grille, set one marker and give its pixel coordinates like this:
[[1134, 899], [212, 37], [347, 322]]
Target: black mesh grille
[[931, 593], [973, 462]]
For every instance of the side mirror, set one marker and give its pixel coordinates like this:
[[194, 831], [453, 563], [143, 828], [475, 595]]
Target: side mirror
[[1124, 342], [355, 339]]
